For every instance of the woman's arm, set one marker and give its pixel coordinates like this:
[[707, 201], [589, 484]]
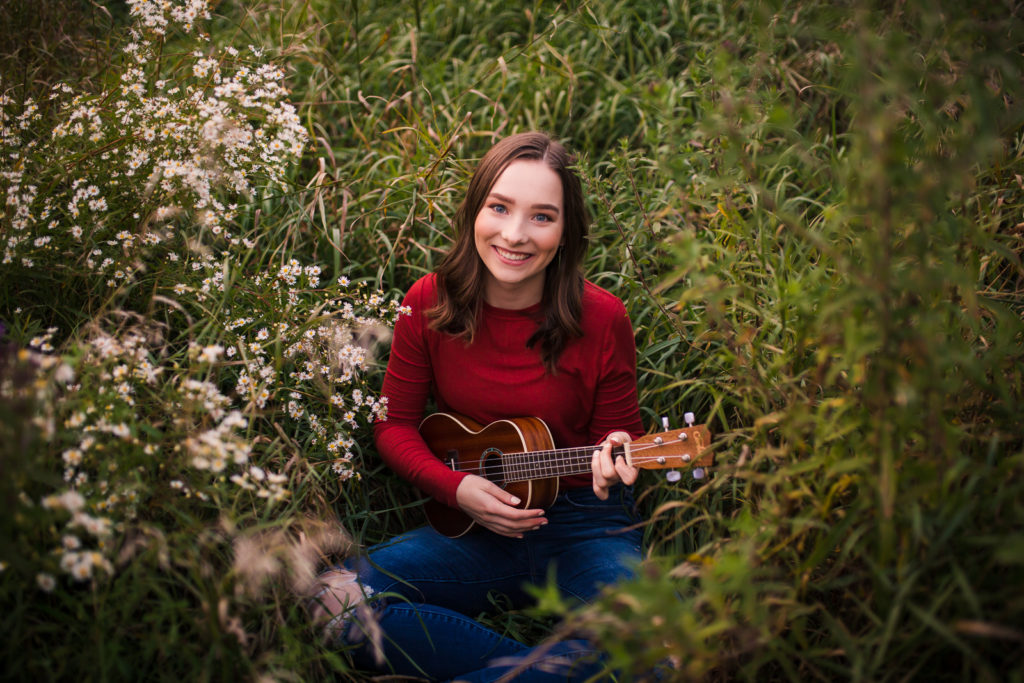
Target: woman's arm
[[616, 420], [407, 385]]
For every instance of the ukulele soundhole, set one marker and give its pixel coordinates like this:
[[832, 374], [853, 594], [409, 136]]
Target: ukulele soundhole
[[491, 467]]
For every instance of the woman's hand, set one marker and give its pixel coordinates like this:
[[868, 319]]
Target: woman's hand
[[494, 508], [608, 473]]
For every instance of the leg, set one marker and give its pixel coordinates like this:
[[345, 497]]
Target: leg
[[423, 589], [591, 545], [422, 566], [427, 641], [592, 542]]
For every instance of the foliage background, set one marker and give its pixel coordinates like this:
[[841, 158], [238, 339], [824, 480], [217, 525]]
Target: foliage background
[[814, 213]]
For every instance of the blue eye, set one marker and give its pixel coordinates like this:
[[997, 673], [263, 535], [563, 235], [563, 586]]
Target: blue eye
[[499, 208], [543, 218]]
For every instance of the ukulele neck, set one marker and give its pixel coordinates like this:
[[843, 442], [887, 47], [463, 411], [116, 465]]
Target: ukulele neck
[[558, 462]]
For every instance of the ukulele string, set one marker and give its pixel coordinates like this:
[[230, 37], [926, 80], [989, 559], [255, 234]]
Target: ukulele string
[[485, 464]]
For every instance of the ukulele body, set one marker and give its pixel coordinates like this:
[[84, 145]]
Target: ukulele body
[[467, 446]]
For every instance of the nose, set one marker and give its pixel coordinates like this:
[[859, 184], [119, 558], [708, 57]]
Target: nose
[[513, 231]]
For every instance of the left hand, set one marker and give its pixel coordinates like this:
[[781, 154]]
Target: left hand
[[608, 473]]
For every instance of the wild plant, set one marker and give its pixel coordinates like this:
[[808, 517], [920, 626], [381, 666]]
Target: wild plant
[[185, 376]]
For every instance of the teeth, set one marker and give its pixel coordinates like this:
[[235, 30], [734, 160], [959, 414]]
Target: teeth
[[512, 256]]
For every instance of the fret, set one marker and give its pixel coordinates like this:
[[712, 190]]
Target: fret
[[512, 473], [560, 462]]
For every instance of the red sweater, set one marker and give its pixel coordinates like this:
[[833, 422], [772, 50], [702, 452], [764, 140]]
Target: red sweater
[[497, 377]]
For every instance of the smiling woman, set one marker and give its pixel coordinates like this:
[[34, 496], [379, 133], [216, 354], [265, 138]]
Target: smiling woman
[[518, 233], [465, 272], [506, 328]]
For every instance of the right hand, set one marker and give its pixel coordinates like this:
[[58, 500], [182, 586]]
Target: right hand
[[495, 508]]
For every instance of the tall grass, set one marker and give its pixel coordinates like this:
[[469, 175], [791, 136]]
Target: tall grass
[[813, 213]]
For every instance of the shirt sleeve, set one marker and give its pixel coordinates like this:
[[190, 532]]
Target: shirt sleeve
[[407, 385], [616, 404]]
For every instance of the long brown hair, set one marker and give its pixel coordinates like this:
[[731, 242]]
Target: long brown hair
[[460, 277]]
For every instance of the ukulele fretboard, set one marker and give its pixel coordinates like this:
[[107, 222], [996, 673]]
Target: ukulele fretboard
[[527, 465]]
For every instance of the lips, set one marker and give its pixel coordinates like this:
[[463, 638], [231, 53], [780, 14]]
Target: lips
[[511, 256]]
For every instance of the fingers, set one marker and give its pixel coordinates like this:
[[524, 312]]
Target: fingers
[[608, 472], [494, 508], [597, 466], [627, 474], [501, 494], [510, 521]]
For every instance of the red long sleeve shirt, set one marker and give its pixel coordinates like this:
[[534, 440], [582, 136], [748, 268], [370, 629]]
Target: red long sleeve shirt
[[497, 377]]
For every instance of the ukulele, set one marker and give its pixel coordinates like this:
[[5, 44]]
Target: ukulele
[[519, 456]]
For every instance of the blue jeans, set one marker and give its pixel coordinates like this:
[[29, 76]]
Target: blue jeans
[[425, 588]]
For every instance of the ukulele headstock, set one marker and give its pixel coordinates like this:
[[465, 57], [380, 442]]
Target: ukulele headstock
[[687, 448]]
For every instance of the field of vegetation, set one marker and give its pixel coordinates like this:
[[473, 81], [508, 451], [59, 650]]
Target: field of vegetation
[[814, 212]]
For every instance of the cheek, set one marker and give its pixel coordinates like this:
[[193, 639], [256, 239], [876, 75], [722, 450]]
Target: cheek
[[554, 238], [483, 232], [482, 229]]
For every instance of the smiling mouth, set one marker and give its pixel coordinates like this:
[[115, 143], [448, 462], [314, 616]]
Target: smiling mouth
[[511, 255]]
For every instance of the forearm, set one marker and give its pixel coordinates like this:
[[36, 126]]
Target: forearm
[[403, 450]]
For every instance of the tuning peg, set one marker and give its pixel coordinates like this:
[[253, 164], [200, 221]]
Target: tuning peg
[[664, 423], [698, 472], [673, 476], [688, 418]]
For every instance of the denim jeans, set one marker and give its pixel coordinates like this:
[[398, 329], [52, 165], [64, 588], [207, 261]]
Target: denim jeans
[[424, 589]]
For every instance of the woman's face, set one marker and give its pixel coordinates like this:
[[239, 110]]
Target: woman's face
[[518, 231]]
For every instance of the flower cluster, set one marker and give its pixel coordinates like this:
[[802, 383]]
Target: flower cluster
[[121, 450], [156, 16], [179, 142], [189, 408], [80, 530], [78, 562], [307, 353], [133, 425]]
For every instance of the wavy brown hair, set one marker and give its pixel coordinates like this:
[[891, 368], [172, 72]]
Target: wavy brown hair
[[460, 277]]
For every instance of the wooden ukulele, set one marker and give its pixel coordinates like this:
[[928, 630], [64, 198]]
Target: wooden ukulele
[[519, 455]]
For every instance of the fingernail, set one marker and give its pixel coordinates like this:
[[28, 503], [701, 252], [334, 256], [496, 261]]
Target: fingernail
[[515, 501]]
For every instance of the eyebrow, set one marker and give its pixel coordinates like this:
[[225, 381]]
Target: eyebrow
[[509, 200]]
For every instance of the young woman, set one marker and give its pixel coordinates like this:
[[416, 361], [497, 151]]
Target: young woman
[[507, 327]]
